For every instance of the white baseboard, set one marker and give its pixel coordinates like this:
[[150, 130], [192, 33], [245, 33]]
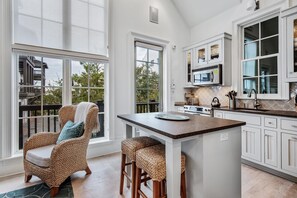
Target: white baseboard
[[14, 165]]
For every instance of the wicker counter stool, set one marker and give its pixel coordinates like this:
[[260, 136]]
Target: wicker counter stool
[[129, 148], [152, 161]]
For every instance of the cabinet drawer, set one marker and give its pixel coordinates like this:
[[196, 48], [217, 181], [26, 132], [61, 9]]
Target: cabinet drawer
[[270, 122], [249, 119], [290, 125], [218, 114]]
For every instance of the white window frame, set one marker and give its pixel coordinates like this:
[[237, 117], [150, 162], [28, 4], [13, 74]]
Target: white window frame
[[261, 57], [133, 36], [160, 49], [7, 61], [66, 88], [66, 44], [237, 43]]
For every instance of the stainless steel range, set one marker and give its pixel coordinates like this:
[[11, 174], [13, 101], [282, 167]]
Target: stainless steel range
[[197, 110]]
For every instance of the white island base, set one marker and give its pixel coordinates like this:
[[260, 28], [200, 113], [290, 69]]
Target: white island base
[[213, 166]]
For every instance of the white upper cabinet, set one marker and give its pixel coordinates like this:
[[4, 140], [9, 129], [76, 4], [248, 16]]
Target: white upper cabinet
[[207, 53], [290, 43], [216, 50]]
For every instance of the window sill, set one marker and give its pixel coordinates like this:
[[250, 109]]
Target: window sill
[[94, 143], [100, 141]]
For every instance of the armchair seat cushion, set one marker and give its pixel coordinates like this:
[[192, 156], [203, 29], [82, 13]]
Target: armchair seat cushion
[[40, 156]]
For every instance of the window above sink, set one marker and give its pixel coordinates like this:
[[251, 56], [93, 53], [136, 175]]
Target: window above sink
[[257, 55]]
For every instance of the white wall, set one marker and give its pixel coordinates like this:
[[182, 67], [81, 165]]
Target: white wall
[[133, 16], [223, 21]]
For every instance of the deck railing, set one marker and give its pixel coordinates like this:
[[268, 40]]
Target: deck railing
[[30, 118], [147, 107]]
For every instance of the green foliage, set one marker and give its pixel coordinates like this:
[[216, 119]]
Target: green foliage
[[79, 94], [147, 82]]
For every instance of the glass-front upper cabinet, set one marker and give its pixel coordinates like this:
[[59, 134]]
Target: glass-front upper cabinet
[[188, 67], [201, 55], [214, 54], [208, 54], [290, 43]]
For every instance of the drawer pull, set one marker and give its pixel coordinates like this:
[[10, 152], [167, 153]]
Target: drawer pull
[[295, 126]]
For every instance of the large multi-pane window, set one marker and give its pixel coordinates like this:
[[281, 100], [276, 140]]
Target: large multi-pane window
[[76, 25], [260, 57], [40, 92], [148, 77], [61, 54]]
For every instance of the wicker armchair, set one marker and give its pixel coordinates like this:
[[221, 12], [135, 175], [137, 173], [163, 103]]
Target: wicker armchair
[[67, 157]]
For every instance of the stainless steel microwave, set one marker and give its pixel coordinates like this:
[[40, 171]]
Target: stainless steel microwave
[[208, 76]]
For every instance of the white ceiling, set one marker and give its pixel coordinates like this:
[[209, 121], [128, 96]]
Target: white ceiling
[[197, 11]]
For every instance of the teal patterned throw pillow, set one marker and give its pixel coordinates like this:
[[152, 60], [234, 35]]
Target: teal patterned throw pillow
[[71, 130]]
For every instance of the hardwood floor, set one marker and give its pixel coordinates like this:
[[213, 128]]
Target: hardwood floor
[[104, 181]]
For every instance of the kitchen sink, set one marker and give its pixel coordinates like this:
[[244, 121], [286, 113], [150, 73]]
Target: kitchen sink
[[255, 110]]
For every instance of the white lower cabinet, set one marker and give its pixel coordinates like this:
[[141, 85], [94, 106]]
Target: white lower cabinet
[[270, 148], [289, 152], [251, 143], [270, 141]]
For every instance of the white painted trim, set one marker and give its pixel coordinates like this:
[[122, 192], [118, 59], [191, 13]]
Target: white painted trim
[[5, 78], [50, 52], [111, 73], [133, 36], [254, 17], [209, 40], [14, 165]]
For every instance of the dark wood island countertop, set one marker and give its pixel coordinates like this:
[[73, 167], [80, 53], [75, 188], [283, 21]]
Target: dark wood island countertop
[[196, 125]]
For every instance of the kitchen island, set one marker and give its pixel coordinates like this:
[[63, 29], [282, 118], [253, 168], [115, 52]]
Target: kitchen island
[[212, 147]]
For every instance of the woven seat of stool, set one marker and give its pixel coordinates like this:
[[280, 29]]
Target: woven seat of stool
[[152, 160], [131, 145]]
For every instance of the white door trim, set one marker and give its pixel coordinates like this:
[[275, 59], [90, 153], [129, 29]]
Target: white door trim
[[166, 69]]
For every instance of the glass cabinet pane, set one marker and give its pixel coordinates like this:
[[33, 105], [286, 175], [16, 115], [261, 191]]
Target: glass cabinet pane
[[295, 45], [269, 27], [269, 46], [214, 52], [189, 66], [251, 33], [268, 66], [201, 55], [268, 84]]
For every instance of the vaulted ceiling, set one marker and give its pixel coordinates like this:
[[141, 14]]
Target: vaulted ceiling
[[197, 11]]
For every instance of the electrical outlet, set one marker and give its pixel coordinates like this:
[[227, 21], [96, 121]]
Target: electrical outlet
[[224, 137]]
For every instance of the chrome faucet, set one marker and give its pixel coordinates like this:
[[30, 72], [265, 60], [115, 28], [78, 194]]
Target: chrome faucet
[[256, 103]]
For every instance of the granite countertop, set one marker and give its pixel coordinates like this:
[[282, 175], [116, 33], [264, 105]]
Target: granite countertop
[[282, 113], [196, 125]]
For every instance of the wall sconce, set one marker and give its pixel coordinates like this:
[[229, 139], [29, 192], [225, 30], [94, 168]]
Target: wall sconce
[[252, 5]]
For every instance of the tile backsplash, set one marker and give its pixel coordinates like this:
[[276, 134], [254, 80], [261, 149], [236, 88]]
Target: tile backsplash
[[206, 94]]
